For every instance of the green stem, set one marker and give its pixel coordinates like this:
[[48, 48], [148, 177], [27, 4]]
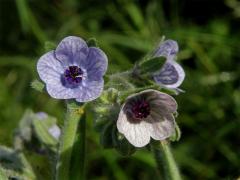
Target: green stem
[[78, 160], [74, 113], [165, 162]]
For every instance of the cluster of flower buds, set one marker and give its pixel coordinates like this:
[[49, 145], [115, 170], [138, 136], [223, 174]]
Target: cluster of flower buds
[[134, 106]]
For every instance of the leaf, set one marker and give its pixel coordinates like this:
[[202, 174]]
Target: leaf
[[151, 65], [37, 85], [14, 164], [92, 42]]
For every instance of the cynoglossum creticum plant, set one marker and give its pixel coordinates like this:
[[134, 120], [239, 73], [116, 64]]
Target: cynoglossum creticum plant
[[141, 108], [131, 108], [74, 72]]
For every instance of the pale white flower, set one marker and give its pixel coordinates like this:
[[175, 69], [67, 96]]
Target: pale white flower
[[147, 114]]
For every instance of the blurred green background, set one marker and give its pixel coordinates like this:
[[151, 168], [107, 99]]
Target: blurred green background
[[208, 33]]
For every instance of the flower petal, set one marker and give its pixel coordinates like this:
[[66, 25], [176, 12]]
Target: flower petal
[[49, 68], [171, 75], [163, 129], [161, 102], [168, 48], [96, 63], [71, 50], [58, 91], [138, 134], [89, 90]]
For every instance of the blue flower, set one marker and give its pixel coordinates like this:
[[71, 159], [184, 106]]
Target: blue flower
[[171, 74], [73, 70]]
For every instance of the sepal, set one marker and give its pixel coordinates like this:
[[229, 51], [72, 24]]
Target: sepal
[[92, 42], [177, 134], [38, 85], [151, 66]]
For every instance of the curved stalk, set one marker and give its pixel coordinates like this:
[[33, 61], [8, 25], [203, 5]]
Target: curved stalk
[[165, 162]]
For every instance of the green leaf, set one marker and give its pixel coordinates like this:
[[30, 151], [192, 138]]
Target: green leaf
[[151, 65], [92, 42], [37, 85], [14, 164]]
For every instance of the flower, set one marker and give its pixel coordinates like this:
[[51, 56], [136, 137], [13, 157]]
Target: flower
[[73, 70], [171, 75], [147, 114]]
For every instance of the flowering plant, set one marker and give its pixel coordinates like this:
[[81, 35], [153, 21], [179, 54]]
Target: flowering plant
[[133, 110]]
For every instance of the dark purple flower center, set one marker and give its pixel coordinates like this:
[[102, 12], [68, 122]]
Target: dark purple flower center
[[141, 109], [73, 75]]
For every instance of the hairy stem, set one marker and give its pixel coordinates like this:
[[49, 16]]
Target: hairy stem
[[78, 160], [74, 113], [165, 162]]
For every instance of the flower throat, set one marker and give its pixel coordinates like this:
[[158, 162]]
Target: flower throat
[[73, 75], [141, 109]]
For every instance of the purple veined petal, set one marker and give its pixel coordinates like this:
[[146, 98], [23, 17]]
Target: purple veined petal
[[168, 48], [89, 90], [163, 129], [162, 103], [71, 50], [138, 134], [49, 68], [171, 75], [58, 91], [95, 64]]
